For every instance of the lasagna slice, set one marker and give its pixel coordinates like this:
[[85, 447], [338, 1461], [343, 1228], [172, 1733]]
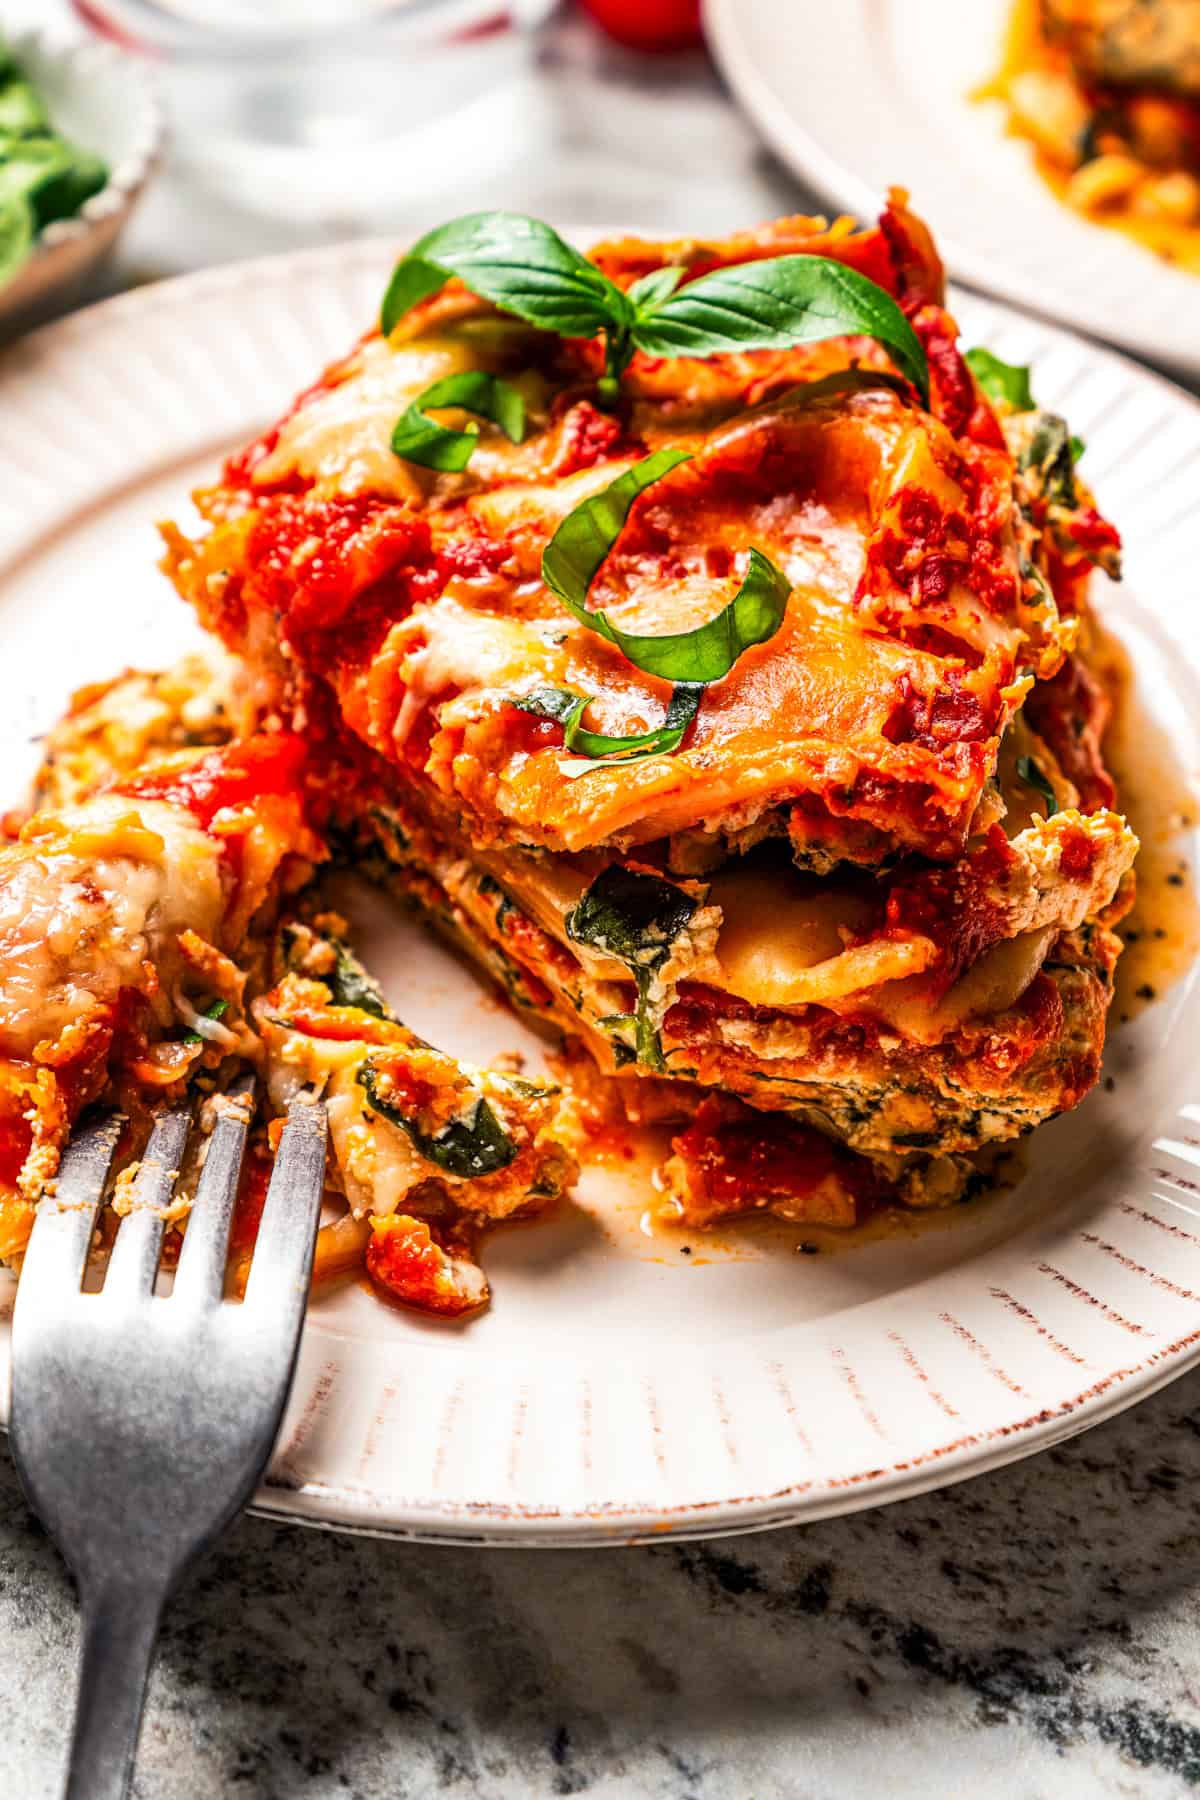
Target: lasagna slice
[[403, 608], [1108, 94], [129, 926], [865, 903], [425, 1150], [156, 930]]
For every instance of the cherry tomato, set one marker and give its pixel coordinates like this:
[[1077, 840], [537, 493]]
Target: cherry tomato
[[649, 24]]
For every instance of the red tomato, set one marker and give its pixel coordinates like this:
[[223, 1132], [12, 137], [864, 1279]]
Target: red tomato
[[649, 24]]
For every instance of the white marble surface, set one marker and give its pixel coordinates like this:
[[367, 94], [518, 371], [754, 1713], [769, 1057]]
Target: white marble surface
[[1032, 1633]]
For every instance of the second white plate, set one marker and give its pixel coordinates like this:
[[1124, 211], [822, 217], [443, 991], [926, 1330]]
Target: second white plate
[[868, 93]]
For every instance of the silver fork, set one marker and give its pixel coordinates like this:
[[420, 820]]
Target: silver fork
[[141, 1423]]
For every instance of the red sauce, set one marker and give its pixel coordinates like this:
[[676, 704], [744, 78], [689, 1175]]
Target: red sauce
[[251, 1198], [763, 1157], [236, 775], [404, 1260], [401, 1089], [588, 437], [16, 1135]]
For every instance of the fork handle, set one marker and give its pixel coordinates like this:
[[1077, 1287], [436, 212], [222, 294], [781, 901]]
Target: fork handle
[[120, 1624]]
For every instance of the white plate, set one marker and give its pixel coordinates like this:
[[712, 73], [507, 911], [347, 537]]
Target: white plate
[[618, 1388], [863, 94]]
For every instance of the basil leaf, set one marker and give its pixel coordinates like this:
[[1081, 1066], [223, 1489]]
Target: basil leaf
[[568, 709], [635, 918], [517, 263], [1077, 448], [1034, 776], [476, 1144], [583, 540], [778, 302], [420, 439], [350, 985], [1000, 380], [651, 290], [16, 233]]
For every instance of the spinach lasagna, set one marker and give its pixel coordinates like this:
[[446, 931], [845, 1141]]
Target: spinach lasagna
[[701, 637]]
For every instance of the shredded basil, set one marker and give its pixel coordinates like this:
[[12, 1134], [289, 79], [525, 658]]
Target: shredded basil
[[568, 708], [420, 439], [583, 540], [217, 1010], [1034, 776], [473, 1145], [523, 267]]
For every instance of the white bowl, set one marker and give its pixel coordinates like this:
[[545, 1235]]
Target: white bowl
[[102, 100]]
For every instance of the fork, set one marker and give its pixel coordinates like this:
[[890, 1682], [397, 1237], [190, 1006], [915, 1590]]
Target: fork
[[141, 1423]]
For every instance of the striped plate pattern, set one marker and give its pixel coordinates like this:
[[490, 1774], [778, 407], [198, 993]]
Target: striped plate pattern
[[619, 1389], [858, 96]]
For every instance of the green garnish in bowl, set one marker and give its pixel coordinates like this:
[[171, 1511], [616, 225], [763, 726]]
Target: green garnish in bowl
[[43, 176]]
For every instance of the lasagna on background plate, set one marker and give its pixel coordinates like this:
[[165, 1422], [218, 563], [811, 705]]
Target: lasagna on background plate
[[700, 638]]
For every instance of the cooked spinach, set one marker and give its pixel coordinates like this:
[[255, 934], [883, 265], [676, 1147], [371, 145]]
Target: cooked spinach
[[635, 918], [473, 1145], [1034, 776], [1050, 455], [350, 985]]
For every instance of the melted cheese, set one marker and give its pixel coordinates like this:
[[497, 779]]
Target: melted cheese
[[988, 988], [88, 897], [340, 439], [784, 944], [455, 648]]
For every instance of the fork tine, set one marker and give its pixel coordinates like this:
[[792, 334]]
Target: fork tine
[[62, 1233], [200, 1276], [283, 1254], [133, 1263]]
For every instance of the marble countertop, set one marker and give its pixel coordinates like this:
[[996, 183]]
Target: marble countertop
[[1031, 1633]]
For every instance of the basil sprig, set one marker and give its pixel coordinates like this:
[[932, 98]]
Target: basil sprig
[[420, 439], [575, 553], [523, 267], [568, 708]]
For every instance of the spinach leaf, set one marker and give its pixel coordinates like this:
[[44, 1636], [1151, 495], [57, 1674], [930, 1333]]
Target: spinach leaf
[[636, 919], [1048, 455], [473, 1145], [1000, 380], [1034, 776], [420, 439], [587, 534], [350, 985]]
